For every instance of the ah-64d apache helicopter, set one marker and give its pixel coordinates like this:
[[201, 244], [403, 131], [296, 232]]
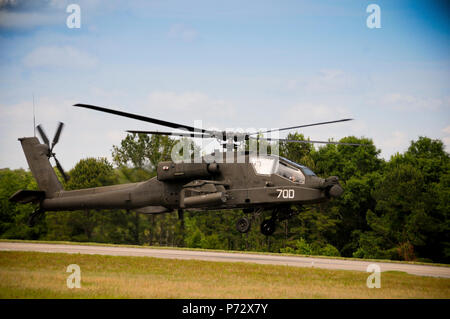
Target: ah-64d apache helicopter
[[253, 183]]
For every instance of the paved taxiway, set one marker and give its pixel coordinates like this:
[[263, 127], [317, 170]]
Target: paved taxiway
[[326, 263]]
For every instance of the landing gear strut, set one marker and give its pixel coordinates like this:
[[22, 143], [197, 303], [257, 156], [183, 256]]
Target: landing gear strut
[[268, 226], [279, 214]]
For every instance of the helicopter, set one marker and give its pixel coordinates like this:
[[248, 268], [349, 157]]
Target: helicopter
[[230, 179]]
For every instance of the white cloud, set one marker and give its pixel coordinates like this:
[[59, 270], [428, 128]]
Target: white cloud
[[59, 57], [391, 143], [397, 140], [446, 130], [446, 141], [446, 138]]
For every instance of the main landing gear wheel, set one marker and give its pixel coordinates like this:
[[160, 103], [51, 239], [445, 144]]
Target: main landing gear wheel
[[268, 227], [243, 225]]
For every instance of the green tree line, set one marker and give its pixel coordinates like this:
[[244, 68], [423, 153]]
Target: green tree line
[[396, 209]]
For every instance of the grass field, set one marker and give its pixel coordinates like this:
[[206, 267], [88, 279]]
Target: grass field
[[43, 275]]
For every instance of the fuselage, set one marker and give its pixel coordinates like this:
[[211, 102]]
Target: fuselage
[[244, 181]]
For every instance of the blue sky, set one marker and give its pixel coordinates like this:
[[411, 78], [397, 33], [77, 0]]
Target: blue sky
[[233, 64]]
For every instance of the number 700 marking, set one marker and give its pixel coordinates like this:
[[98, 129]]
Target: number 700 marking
[[286, 193]]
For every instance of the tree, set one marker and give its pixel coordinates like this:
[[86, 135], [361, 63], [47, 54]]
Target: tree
[[142, 151], [14, 217], [398, 213], [91, 172], [298, 152], [411, 216], [357, 168], [346, 161], [351, 208]]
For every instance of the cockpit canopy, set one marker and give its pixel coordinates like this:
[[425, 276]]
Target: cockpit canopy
[[281, 166]]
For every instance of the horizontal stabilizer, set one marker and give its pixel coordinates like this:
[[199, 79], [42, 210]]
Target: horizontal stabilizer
[[27, 196]]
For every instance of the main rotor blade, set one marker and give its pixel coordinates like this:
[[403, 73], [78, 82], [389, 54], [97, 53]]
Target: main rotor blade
[[311, 142], [144, 118], [60, 169], [43, 135], [299, 126], [171, 133], [57, 134]]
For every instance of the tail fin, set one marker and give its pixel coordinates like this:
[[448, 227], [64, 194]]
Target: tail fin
[[38, 161]]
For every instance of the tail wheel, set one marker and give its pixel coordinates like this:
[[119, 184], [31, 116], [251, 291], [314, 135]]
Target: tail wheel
[[268, 227], [243, 225]]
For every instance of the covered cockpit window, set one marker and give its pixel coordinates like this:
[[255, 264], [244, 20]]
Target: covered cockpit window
[[290, 172], [306, 170], [263, 165], [267, 165]]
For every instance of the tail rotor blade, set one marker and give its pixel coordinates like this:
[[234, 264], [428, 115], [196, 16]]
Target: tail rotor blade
[[60, 169], [43, 135], [57, 134]]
